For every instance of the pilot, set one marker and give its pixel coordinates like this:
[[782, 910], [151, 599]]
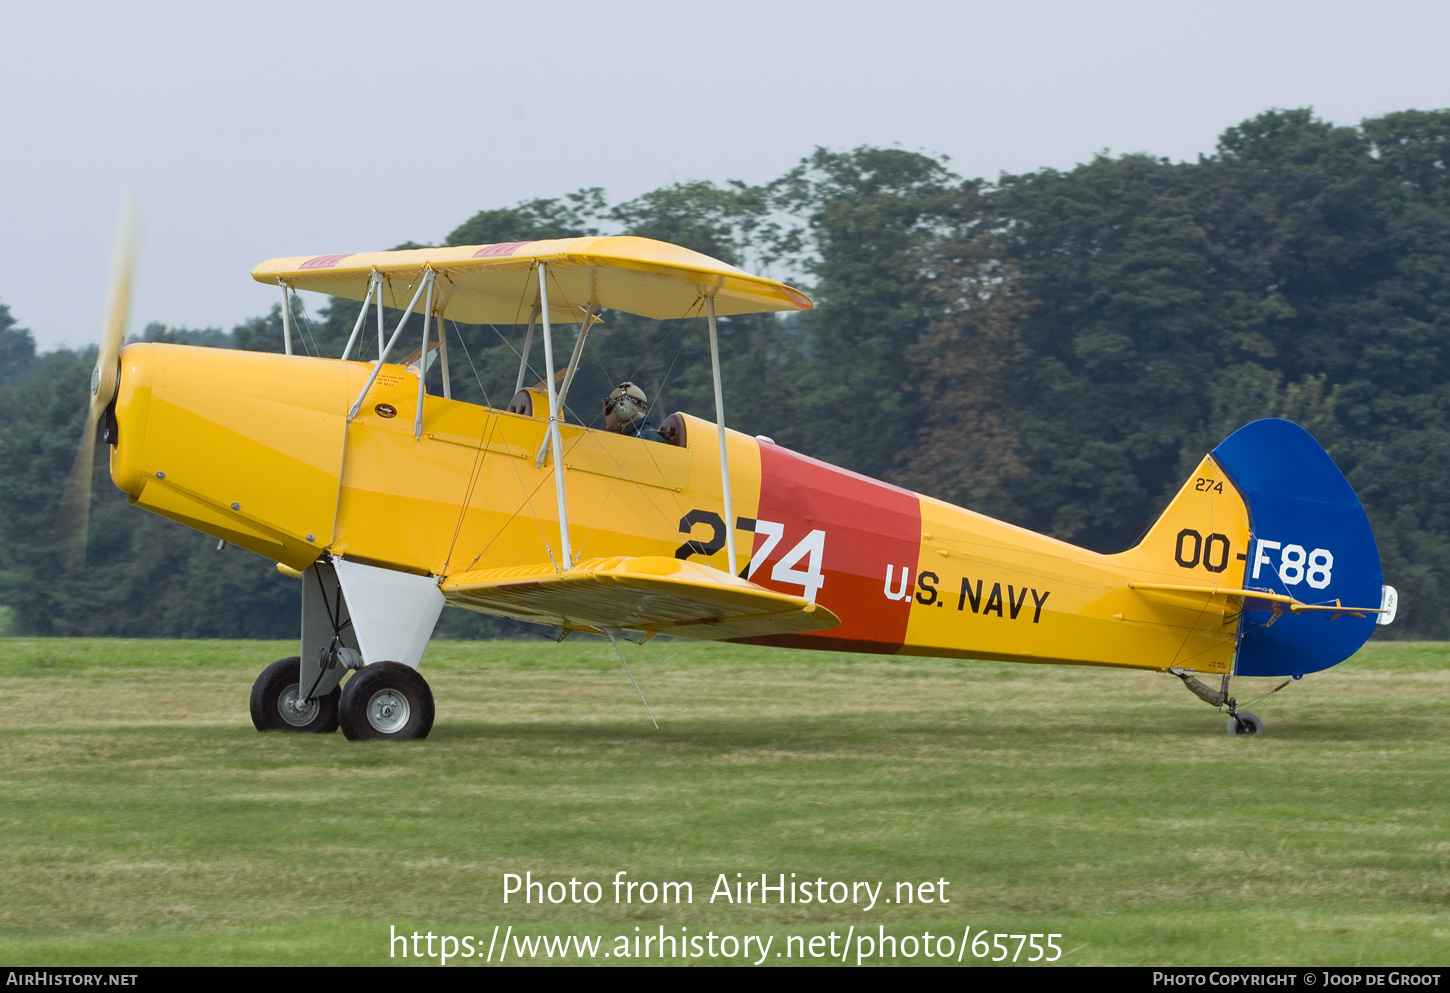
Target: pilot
[[624, 413]]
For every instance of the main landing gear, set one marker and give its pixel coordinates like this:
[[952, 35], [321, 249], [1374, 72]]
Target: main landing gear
[[357, 619], [386, 701], [277, 706], [1239, 721]]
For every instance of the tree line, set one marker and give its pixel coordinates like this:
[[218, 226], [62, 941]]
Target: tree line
[[1057, 349]]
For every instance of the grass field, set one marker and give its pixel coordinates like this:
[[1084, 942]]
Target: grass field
[[144, 821]]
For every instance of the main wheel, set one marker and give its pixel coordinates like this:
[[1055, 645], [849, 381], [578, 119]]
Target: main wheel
[[274, 701], [1245, 723], [386, 700]]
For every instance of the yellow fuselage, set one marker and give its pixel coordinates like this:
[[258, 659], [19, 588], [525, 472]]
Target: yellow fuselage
[[256, 449]]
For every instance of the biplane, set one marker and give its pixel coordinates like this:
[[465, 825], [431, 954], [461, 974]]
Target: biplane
[[390, 501]]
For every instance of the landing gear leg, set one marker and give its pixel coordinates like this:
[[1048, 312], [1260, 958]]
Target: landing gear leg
[[354, 614], [1243, 722], [1239, 722]]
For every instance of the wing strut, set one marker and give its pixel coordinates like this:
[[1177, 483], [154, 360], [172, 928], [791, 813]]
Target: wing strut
[[286, 315], [590, 316], [383, 352], [423, 361], [720, 424], [443, 349], [375, 282], [524, 355], [565, 552]]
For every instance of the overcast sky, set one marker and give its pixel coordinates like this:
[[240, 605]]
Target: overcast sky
[[260, 130]]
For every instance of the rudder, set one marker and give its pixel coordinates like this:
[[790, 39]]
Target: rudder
[[1311, 540]]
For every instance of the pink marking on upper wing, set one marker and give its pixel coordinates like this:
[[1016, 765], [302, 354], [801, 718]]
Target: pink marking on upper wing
[[503, 248], [323, 261]]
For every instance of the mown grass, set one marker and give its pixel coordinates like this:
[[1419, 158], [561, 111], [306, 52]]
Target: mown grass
[[143, 821]]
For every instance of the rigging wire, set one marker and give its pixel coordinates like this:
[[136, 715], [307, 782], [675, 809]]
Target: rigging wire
[[304, 329], [478, 452], [1241, 706], [478, 467], [610, 634], [683, 331], [620, 472]]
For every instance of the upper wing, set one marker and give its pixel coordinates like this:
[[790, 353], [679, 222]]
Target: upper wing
[[495, 284]]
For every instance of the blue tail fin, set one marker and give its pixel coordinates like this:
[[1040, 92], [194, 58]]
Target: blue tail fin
[[1310, 540]]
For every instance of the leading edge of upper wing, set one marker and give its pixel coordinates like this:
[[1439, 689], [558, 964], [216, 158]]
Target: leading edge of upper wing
[[493, 284]]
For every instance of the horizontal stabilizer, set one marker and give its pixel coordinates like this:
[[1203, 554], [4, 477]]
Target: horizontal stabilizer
[[644, 593], [1278, 600]]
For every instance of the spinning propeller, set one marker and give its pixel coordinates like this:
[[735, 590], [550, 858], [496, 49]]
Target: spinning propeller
[[73, 518]]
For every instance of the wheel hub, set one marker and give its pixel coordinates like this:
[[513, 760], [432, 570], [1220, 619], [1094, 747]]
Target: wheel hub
[[288, 709], [388, 711]]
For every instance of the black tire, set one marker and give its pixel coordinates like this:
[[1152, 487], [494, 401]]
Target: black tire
[[275, 688], [386, 701], [1245, 723]]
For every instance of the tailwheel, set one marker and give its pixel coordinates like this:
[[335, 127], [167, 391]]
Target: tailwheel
[[276, 703], [387, 701], [1243, 722]]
